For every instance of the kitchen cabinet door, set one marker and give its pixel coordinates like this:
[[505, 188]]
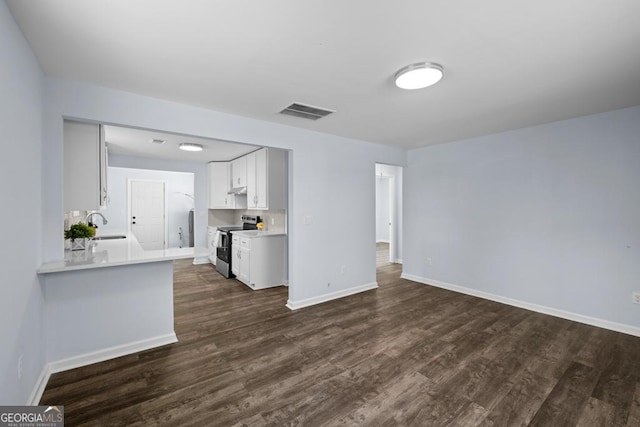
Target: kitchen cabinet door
[[251, 180], [261, 178], [266, 179], [235, 256], [244, 266], [239, 172], [218, 184], [85, 166], [104, 164]]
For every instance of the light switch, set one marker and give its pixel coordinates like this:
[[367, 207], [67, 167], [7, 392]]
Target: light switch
[[306, 220]]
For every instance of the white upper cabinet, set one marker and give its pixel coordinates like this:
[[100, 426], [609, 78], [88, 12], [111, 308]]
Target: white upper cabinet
[[219, 182], [85, 166], [219, 187], [266, 179], [261, 172], [239, 172]]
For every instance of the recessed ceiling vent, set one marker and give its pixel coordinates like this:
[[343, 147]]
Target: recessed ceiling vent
[[157, 141], [306, 111]]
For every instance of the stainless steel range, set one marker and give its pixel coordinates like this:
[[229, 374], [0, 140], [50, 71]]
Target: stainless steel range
[[223, 243]]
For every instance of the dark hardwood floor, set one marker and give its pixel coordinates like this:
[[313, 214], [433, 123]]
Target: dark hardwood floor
[[404, 354]]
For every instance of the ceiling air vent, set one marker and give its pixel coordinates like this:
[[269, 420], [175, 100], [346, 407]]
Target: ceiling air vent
[[157, 141], [306, 111]]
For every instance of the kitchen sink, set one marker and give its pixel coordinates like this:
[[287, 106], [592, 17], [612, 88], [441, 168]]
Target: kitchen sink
[[113, 237]]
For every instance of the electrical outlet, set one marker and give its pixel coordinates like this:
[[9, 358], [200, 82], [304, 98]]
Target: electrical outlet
[[328, 284], [20, 366], [343, 269], [636, 297], [273, 221], [429, 261]]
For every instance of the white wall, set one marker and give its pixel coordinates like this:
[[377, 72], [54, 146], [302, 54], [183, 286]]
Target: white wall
[[329, 176], [547, 215], [200, 188], [178, 205], [102, 311], [21, 303]]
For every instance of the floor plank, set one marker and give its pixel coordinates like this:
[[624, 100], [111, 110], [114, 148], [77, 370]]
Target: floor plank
[[404, 354]]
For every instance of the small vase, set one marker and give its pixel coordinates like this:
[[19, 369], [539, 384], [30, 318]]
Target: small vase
[[79, 244]]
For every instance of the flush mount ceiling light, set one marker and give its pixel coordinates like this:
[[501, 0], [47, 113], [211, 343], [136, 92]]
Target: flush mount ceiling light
[[188, 146], [418, 76]]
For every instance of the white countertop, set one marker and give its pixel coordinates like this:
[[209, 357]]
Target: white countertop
[[108, 253], [257, 233]]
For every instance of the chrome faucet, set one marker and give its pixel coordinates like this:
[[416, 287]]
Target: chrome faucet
[[104, 220]]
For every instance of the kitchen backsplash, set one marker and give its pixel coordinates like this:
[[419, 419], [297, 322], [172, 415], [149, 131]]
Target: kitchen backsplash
[[274, 221], [73, 217]]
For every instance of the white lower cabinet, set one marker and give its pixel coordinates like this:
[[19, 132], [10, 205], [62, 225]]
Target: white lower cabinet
[[260, 261], [244, 267], [235, 255]]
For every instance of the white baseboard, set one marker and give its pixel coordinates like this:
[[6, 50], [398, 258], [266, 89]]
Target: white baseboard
[[94, 357], [41, 384], [295, 305], [110, 353], [201, 260], [593, 321], [398, 261]]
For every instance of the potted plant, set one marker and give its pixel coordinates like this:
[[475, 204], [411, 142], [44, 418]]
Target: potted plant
[[79, 234]]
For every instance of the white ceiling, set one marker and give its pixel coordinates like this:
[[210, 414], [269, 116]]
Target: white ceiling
[[508, 63], [137, 142]]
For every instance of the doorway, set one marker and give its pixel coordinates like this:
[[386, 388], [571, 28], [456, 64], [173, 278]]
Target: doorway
[[388, 214], [147, 213]]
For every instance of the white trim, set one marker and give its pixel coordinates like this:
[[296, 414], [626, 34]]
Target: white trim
[[593, 321], [94, 357], [202, 260], [295, 305], [397, 261], [110, 353], [382, 241], [40, 385]]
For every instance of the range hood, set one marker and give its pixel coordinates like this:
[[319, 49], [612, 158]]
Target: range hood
[[238, 190]]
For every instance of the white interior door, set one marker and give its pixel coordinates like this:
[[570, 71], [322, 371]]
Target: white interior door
[[389, 209], [383, 216], [148, 213], [393, 220]]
